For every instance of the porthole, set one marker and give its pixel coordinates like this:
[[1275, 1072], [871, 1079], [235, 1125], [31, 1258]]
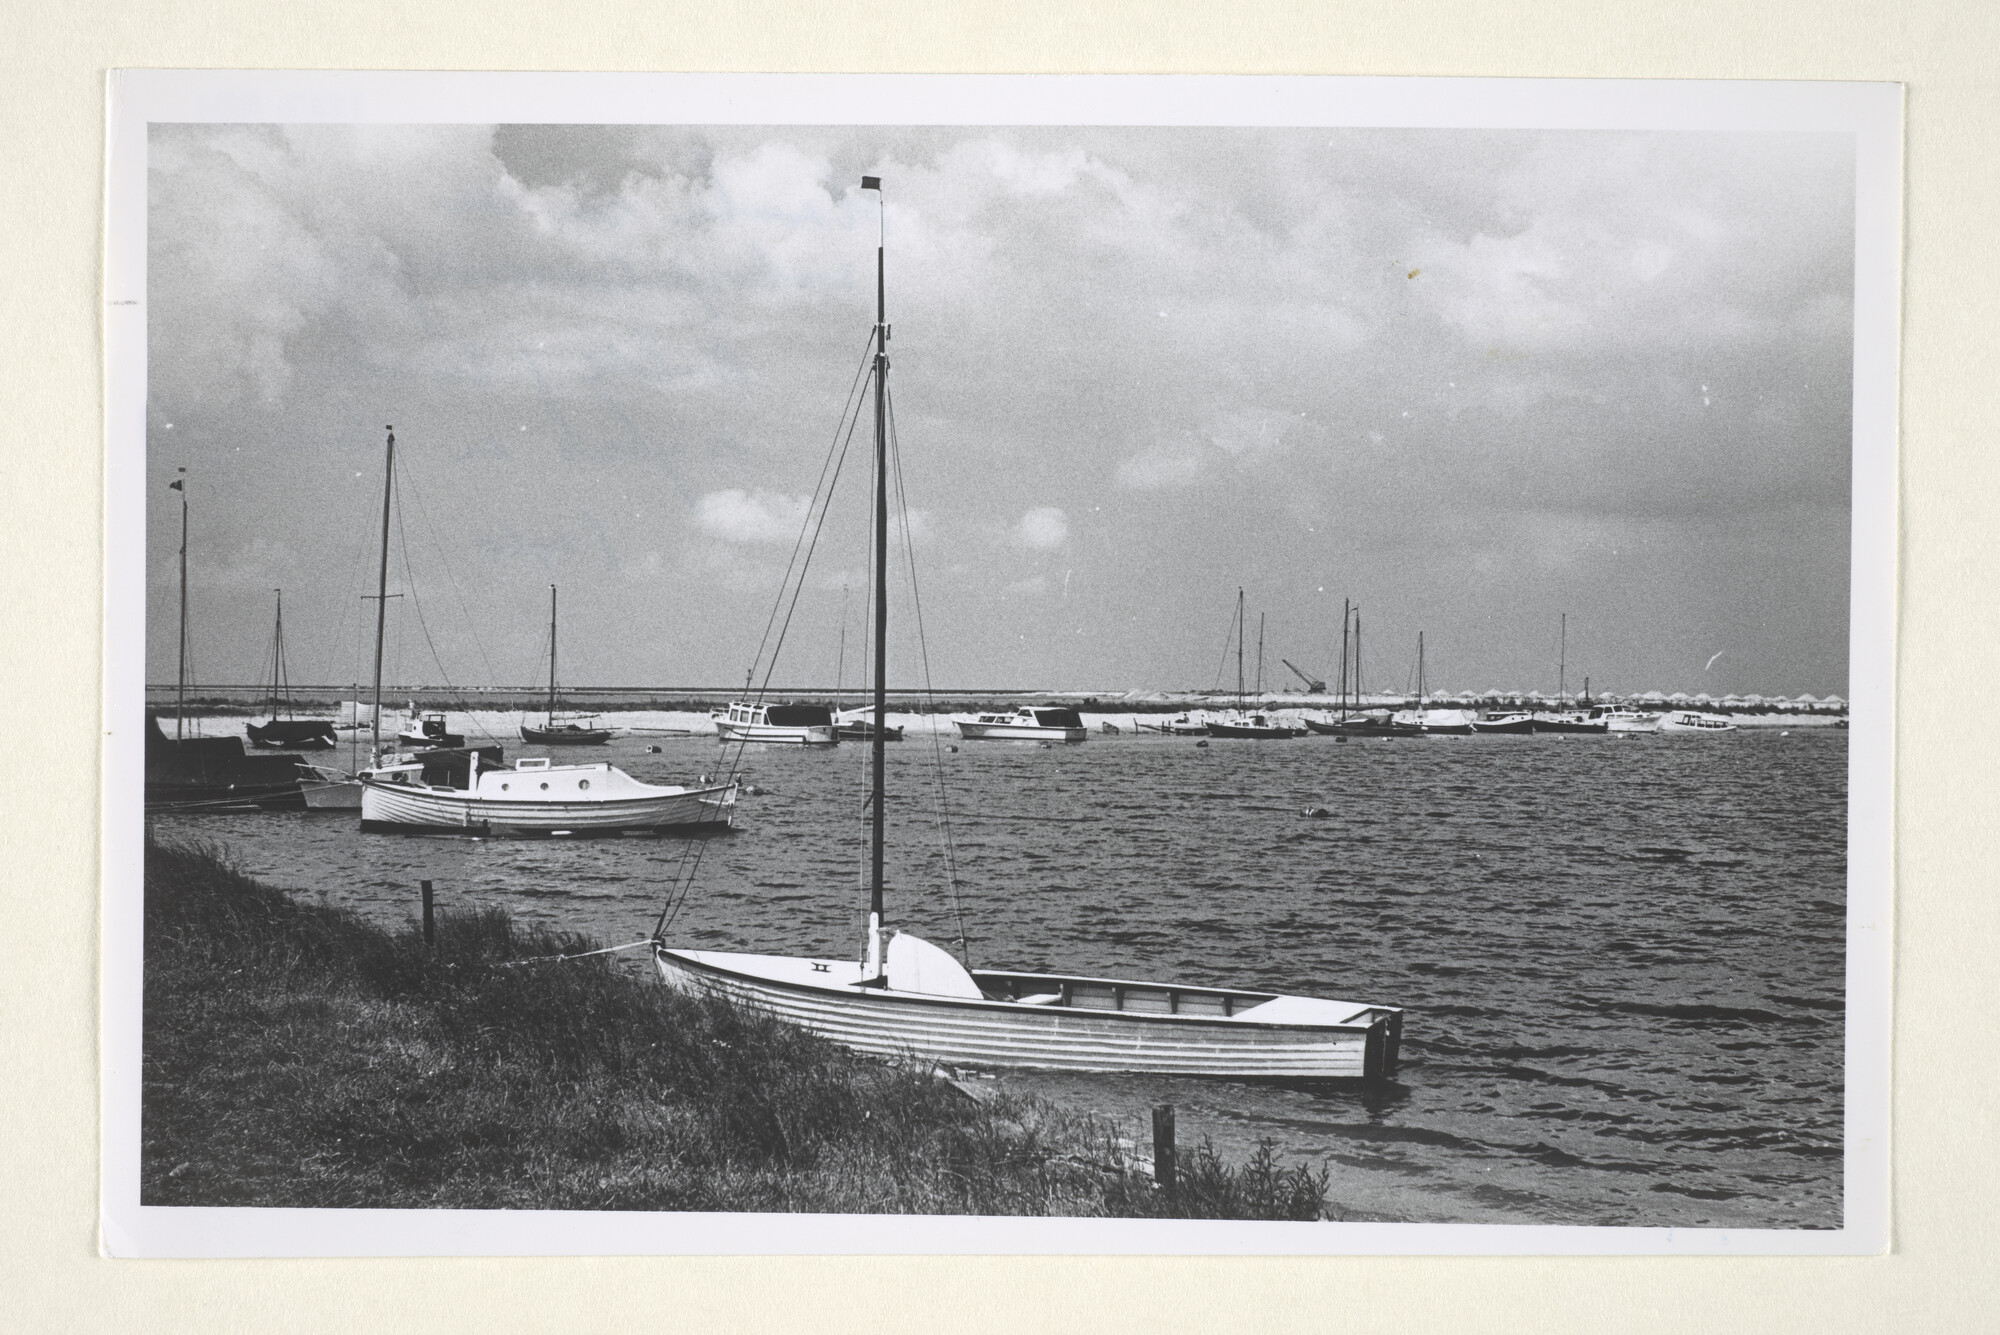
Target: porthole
[[545, 788], [584, 783], [503, 787]]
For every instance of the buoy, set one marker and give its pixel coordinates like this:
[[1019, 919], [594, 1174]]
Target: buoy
[[952, 749], [652, 750], [1316, 813], [1201, 743]]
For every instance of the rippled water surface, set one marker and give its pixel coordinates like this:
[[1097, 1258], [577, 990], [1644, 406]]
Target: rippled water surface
[[1622, 957]]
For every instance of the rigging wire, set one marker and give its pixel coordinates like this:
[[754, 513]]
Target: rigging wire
[[948, 843]]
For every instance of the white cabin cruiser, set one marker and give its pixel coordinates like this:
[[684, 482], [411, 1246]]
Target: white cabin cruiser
[[796, 725], [1622, 719], [425, 794], [1027, 724], [1692, 720]]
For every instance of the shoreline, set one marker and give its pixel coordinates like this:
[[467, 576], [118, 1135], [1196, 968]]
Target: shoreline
[[297, 1056]]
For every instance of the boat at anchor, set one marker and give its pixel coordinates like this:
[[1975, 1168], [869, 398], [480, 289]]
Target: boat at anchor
[[570, 732], [908, 998], [1052, 723]]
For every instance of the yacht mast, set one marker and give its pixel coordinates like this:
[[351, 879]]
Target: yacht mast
[[1260, 656], [1562, 666], [1420, 672], [181, 673], [382, 591], [552, 655], [874, 970], [1346, 612]]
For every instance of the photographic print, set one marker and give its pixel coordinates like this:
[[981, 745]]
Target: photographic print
[[826, 664]]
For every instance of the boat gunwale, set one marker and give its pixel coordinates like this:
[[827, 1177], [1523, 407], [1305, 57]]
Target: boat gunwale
[[1379, 1014]]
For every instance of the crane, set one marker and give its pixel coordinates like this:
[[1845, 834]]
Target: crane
[[1312, 686]]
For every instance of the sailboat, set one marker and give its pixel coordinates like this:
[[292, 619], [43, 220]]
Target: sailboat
[[1564, 719], [1431, 722], [1359, 722], [575, 732], [281, 730], [210, 775], [907, 998], [460, 790], [852, 725], [1243, 725]]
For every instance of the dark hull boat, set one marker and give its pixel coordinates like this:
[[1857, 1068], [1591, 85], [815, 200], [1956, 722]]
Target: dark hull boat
[[1556, 723], [215, 774], [565, 734], [1255, 729], [1364, 727], [1517, 725], [298, 734]]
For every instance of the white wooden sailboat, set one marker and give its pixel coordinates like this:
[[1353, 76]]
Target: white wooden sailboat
[[907, 998], [444, 790]]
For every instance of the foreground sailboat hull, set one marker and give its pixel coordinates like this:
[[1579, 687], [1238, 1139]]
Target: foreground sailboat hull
[[1082, 1024], [393, 808], [565, 736]]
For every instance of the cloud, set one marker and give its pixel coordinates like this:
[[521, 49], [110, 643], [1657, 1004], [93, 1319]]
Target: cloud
[[751, 517], [1042, 529], [1156, 468]]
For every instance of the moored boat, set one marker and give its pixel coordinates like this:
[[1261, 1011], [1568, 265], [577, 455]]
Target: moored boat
[[282, 731], [1514, 724], [328, 789], [1252, 728], [856, 725], [1628, 720], [906, 998], [789, 725], [1693, 720], [581, 731], [428, 731], [1053, 723], [409, 795]]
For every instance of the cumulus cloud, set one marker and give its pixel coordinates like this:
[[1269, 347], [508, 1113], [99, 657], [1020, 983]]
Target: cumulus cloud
[[735, 515], [1042, 529]]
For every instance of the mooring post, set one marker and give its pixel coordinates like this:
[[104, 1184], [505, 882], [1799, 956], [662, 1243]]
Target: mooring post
[[1163, 1147], [430, 932]]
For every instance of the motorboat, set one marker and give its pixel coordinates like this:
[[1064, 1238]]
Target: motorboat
[[1621, 719], [792, 725], [1052, 723], [1692, 720], [1514, 724], [858, 725], [428, 732]]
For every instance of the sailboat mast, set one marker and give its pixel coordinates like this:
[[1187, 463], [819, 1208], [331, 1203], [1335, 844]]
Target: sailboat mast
[[181, 673], [875, 964], [382, 590], [1346, 614], [279, 688], [1260, 655], [552, 655], [1357, 658], [1562, 665], [1239, 650], [1420, 671]]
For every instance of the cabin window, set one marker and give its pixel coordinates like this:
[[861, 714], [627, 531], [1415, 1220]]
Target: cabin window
[[503, 787], [583, 783], [545, 788]]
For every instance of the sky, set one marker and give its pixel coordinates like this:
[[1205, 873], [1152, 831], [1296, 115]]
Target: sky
[[1472, 381]]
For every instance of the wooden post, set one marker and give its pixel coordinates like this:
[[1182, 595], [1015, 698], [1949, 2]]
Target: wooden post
[[430, 930], [1163, 1147]]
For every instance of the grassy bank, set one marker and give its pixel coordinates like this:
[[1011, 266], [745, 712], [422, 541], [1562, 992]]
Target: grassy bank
[[298, 1056]]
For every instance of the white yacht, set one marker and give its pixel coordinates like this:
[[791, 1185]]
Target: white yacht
[[1693, 720], [796, 725], [1622, 719], [1027, 724], [433, 794]]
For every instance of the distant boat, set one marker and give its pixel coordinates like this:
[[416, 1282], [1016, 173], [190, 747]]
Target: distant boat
[[791, 725], [1374, 723], [1628, 720], [1181, 725], [1051, 723], [428, 731], [1242, 725], [1563, 719], [574, 732], [1515, 724], [906, 999], [211, 775], [1109, 728], [1692, 720], [858, 725], [282, 730]]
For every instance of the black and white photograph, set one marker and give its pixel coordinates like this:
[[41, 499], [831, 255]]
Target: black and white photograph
[[963, 665]]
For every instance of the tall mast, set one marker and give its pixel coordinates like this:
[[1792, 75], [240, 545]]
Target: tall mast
[[181, 673], [278, 658], [1260, 655], [1420, 672], [1239, 650], [382, 591], [874, 968], [1562, 665], [1346, 612], [552, 655], [1357, 658]]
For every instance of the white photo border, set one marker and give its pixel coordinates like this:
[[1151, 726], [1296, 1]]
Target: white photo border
[[1871, 112]]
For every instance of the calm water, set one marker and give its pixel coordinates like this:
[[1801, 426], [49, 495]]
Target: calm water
[[1622, 957]]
